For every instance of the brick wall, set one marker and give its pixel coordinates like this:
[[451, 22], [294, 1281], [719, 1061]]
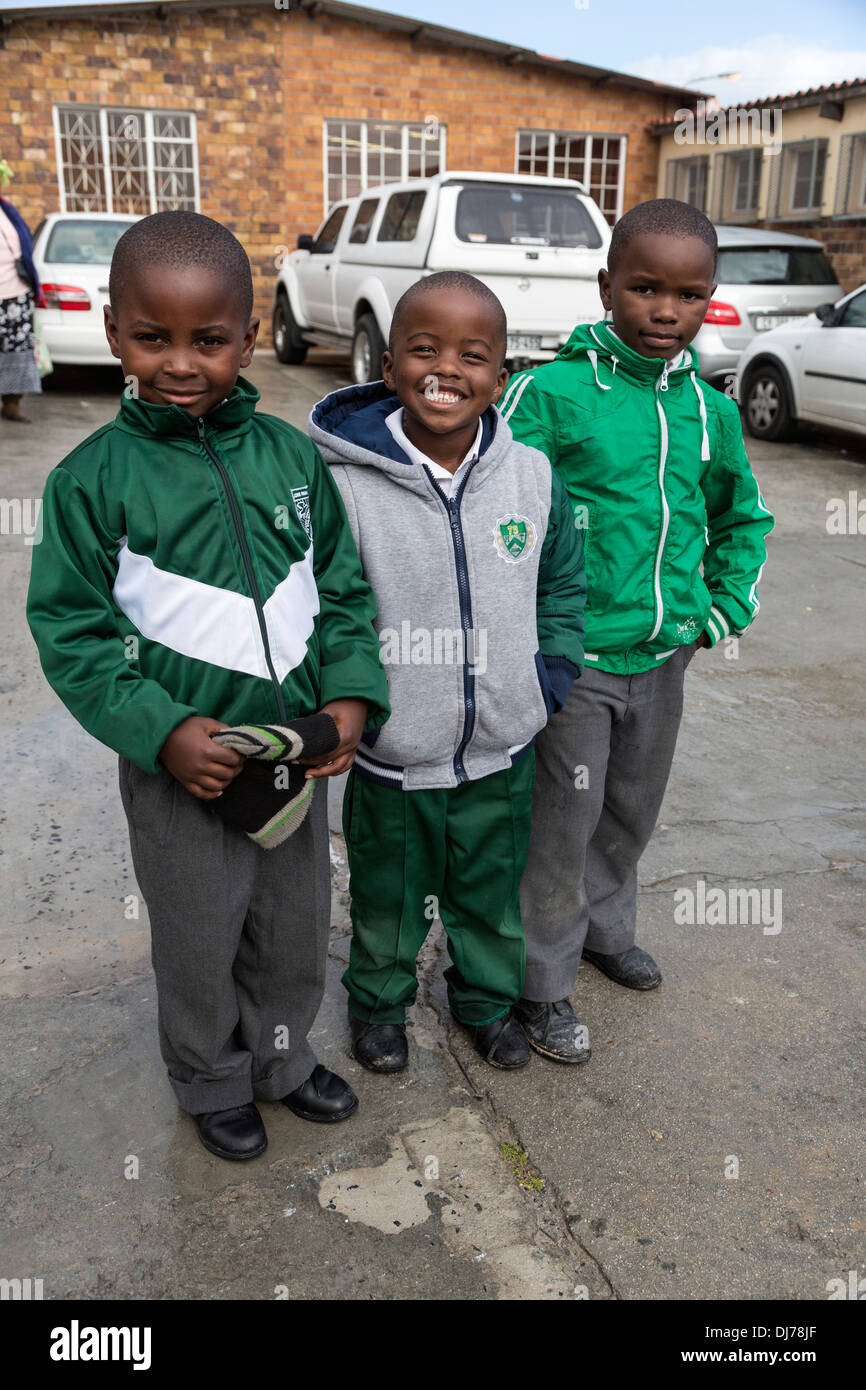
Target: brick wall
[[261, 82], [844, 242]]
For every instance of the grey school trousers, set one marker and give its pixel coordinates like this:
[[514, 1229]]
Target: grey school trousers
[[602, 765], [239, 942]]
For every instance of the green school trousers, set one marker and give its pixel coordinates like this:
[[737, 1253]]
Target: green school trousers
[[457, 853]]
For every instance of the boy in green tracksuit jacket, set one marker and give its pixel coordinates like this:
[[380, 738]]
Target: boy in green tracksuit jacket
[[674, 525], [197, 572]]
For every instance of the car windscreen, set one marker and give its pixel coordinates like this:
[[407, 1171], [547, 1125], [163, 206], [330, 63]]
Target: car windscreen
[[515, 215], [774, 265], [84, 243]]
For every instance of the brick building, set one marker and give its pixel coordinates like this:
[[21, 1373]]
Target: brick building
[[260, 116]]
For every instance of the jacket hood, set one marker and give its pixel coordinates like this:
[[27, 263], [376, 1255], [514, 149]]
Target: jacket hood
[[348, 426], [233, 413], [601, 345]]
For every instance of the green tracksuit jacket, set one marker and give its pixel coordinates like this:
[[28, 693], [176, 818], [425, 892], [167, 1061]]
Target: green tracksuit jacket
[[654, 466], [199, 567]]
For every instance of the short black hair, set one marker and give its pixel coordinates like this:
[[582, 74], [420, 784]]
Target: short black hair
[[181, 240], [661, 217], [449, 280]]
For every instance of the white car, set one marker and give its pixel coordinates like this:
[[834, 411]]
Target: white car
[[538, 243], [765, 279], [72, 252], [814, 370]]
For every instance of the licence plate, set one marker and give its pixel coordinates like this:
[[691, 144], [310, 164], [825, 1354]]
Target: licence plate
[[763, 322], [523, 342]]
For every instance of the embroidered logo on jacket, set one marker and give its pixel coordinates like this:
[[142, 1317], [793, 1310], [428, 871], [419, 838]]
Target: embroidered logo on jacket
[[514, 538], [301, 499]]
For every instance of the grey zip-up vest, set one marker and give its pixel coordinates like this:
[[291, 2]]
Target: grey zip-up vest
[[455, 583]]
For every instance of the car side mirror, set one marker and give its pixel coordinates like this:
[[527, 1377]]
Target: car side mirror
[[305, 242], [826, 313]]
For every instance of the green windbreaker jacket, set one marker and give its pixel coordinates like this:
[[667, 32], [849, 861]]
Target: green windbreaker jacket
[[199, 567], [654, 466]]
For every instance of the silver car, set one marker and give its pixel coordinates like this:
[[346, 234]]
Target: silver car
[[765, 279]]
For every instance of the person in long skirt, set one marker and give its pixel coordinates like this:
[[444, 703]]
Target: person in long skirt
[[20, 292]]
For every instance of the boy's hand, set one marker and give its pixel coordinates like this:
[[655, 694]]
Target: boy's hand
[[350, 717], [199, 764], [703, 641]]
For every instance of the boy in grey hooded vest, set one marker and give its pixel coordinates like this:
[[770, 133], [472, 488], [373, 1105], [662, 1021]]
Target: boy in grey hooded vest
[[471, 549]]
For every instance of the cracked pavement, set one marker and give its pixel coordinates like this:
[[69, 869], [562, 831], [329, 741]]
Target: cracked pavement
[[748, 1059]]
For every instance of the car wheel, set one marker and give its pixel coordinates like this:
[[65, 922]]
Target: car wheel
[[367, 349], [288, 343], [767, 401]]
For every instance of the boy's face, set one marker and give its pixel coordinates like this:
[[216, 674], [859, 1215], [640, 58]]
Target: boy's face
[[183, 335], [446, 367], [659, 292]]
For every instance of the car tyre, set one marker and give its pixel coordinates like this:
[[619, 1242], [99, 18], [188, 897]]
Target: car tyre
[[367, 348], [288, 343], [767, 403]]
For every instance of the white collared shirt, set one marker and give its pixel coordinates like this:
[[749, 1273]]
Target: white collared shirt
[[447, 481]]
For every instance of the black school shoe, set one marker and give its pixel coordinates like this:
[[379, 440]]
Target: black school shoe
[[501, 1043], [379, 1047], [324, 1098], [553, 1030], [234, 1134], [633, 968]]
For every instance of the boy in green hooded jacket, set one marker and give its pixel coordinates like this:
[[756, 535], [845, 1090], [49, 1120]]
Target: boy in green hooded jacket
[[673, 524]]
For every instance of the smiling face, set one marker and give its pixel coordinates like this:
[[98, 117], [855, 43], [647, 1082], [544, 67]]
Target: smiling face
[[445, 366], [183, 335], [659, 292]]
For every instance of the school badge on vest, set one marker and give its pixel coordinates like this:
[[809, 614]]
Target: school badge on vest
[[514, 538]]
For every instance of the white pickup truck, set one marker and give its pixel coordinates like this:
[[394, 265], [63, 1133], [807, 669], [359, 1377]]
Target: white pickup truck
[[538, 243]]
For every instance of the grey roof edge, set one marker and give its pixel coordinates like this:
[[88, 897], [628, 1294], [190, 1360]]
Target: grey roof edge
[[380, 19]]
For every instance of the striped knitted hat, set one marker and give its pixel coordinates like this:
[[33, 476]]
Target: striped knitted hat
[[271, 794]]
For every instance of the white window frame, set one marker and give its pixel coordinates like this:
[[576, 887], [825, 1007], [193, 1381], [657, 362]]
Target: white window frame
[[150, 139], [795, 152], [404, 127], [686, 167], [734, 170], [747, 170], [588, 135]]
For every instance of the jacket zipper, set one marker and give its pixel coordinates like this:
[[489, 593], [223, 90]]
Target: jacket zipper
[[661, 385], [453, 508], [241, 534]]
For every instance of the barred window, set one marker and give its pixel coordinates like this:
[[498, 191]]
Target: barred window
[[366, 154], [688, 180], [851, 180], [596, 161], [118, 159]]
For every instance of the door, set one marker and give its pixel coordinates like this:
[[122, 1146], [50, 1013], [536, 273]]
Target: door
[[316, 273]]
